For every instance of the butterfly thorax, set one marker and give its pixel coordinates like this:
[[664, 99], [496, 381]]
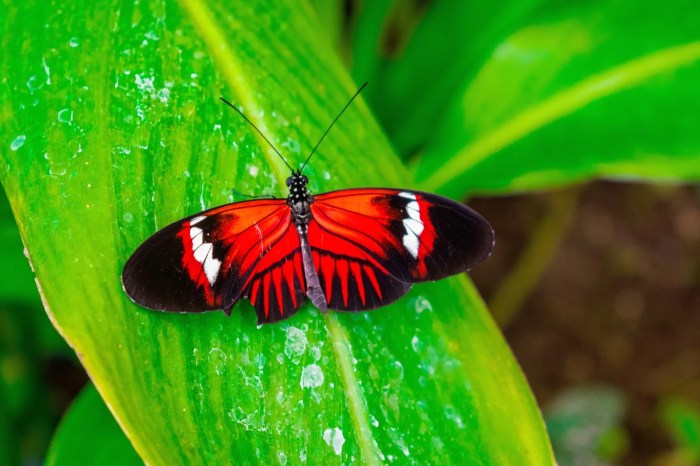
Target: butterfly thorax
[[299, 200]]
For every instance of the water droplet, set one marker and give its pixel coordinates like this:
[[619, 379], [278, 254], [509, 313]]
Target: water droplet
[[282, 458], [311, 376], [217, 359], [163, 95], [259, 361], [73, 42], [18, 142], [34, 84], [334, 438], [416, 344], [65, 115], [422, 304], [128, 217], [396, 371], [315, 353], [452, 414], [295, 345]]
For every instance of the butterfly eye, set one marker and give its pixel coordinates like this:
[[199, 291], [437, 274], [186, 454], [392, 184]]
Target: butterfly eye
[[289, 181], [304, 179]]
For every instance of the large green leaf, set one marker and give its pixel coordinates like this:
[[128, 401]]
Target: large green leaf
[[588, 89], [112, 129], [416, 75]]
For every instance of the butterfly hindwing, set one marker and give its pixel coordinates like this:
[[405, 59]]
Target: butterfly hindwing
[[277, 287], [355, 283]]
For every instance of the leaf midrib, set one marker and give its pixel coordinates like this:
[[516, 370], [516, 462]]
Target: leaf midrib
[[210, 32]]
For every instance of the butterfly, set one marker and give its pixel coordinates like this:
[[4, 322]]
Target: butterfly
[[347, 250]]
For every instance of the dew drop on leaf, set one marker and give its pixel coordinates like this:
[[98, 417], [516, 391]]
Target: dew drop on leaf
[[65, 115], [334, 438], [18, 142], [311, 376], [295, 346]]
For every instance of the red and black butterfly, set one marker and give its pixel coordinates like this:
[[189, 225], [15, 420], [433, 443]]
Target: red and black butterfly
[[348, 250]]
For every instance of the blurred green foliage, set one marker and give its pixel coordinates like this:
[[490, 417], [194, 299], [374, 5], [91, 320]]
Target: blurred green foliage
[[475, 99], [585, 426], [28, 341], [682, 420]]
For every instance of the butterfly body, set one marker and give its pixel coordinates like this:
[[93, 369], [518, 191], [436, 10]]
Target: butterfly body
[[300, 200]]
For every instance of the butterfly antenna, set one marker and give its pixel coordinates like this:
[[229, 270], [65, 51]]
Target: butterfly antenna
[[256, 129], [331, 125]]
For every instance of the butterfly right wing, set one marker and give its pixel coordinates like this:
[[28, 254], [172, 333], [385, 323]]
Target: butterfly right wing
[[206, 261], [371, 244]]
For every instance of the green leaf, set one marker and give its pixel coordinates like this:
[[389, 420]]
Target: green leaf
[[113, 128], [416, 75], [88, 434], [575, 95], [682, 420]]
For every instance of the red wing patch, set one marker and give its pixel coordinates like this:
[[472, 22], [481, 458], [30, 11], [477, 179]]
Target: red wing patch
[[276, 286]]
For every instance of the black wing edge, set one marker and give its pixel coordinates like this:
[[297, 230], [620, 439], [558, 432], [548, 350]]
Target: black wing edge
[[153, 277]]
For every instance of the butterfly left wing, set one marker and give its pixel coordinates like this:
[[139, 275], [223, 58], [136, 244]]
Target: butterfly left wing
[[369, 245], [206, 261]]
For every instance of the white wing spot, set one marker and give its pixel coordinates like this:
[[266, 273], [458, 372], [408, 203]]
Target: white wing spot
[[196, 220], [202, 252], [413, 225]]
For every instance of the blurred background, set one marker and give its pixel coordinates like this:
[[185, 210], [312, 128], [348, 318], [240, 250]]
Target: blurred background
[[572, 127]]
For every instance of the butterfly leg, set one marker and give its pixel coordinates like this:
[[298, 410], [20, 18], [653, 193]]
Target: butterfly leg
[[313, 286]]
